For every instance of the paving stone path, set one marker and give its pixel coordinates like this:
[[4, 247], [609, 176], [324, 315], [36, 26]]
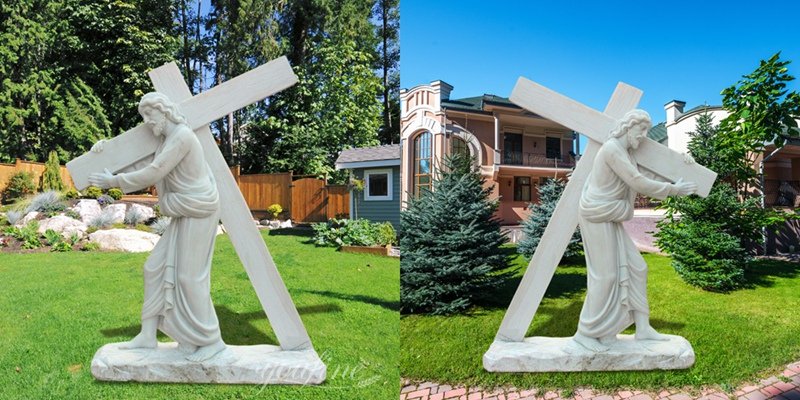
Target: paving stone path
[[785, 386]]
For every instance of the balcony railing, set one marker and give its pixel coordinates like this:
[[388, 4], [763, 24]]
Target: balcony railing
[[536, 160]]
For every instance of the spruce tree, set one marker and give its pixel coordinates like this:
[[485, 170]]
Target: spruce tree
[[451, 243], [51, 178], [534, 226]]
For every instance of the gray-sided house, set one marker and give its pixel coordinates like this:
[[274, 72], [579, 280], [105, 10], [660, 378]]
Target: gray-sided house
[[379, 168]]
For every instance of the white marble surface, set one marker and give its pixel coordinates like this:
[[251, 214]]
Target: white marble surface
[[261, 364], [547, 354]]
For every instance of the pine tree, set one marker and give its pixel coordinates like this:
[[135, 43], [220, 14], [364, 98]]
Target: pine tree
[[51, 178], [451, 243], [534, 226]]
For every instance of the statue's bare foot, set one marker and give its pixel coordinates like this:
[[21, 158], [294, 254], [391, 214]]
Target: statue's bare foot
[[590, 344], [141, 341], [206, 352], [648, 333], [608, 340], [186, 348]]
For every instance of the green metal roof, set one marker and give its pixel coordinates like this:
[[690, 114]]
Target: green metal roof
[[477, 103], [658, 133]]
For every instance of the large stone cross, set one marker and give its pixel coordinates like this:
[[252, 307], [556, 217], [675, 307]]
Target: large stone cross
[[651, 155], [139, 143]]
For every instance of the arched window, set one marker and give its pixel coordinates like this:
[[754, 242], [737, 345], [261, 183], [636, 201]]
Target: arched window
[[422, 162], [458, 146]]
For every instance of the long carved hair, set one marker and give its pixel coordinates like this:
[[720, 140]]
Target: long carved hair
[[162, 103], [629, 120]]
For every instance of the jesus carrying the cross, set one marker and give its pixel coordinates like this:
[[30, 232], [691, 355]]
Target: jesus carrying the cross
[[177, 273], [617, 274]]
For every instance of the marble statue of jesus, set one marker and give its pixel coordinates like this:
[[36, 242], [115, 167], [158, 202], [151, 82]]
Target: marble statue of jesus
[[177, 273], [616, 294]]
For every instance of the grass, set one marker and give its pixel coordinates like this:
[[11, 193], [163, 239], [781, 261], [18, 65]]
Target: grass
[[58, 309], [737, 337]]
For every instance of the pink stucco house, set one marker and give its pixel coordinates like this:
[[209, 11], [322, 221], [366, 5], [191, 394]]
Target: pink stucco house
[[515, 149]]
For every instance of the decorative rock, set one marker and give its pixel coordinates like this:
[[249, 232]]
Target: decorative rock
[[88, 209], [286, 224], [544, 354], [64, 225], [144, 211], [118, 210], [129, 240], [28, 218], [274, 224], [260, 364]]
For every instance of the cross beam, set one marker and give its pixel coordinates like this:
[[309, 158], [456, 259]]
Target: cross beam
[[596, 125], [234, 213], [199, 110]]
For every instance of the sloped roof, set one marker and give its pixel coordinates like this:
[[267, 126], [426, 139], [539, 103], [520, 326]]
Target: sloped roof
[[376, 153], [477, 103]]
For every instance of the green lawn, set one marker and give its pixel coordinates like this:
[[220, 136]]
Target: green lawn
[[736, 337], [59, 308]]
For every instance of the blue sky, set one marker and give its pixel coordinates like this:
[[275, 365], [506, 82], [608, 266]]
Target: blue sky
[[688, 51]]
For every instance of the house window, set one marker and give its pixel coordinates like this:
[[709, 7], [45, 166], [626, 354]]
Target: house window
[[377, 184], [522, 188], [458, 146], [553, 146], [512, 149], [422, 162]]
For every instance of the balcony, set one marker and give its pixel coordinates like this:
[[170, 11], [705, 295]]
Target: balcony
[[536, 160]]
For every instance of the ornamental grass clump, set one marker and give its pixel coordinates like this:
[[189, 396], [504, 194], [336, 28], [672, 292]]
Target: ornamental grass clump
[[134, 217], [46, 202], [451, 243], [159, 226], [103, 220]]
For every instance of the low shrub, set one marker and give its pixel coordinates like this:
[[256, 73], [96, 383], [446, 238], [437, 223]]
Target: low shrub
[[358, 232], [72, 214], [92, 192], [275, 210], [90, 246], [143, 228], [46, 202], [72, 194], [19, 186], [28, 235], [115, 193], [57, 242]]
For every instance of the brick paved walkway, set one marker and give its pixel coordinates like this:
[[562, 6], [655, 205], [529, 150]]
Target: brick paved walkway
[[785, 386]]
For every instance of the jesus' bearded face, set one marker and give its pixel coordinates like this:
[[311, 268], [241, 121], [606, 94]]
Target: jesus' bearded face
[[155, 120]]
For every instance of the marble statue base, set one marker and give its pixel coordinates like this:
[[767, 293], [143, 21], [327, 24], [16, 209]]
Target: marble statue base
[[262, 364], [547, 354]]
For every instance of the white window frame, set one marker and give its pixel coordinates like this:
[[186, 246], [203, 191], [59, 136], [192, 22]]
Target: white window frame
[[389, 184]]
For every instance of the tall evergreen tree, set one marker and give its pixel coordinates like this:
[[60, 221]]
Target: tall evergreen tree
[[387, 15], [451, 243], [533, 227]]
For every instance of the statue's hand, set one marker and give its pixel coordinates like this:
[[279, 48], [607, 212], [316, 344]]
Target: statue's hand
[[688, 159], [98, 147], [103, 180], [685, 188]]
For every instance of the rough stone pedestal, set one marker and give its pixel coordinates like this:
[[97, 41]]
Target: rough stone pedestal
[[262, 364], [546, 354]]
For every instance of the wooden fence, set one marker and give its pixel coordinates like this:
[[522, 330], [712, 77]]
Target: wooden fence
[[303, 198], [7, 170]]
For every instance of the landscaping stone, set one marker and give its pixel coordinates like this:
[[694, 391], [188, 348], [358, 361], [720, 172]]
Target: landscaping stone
[[128, 240], [88, 209], [28, 218], [274, 224], [144, 211], [259, 364], [118, 211], [64, 225], [286, 224]]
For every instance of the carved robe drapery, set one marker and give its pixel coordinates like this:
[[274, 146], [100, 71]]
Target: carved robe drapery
[[616, 272], [177, 272]]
